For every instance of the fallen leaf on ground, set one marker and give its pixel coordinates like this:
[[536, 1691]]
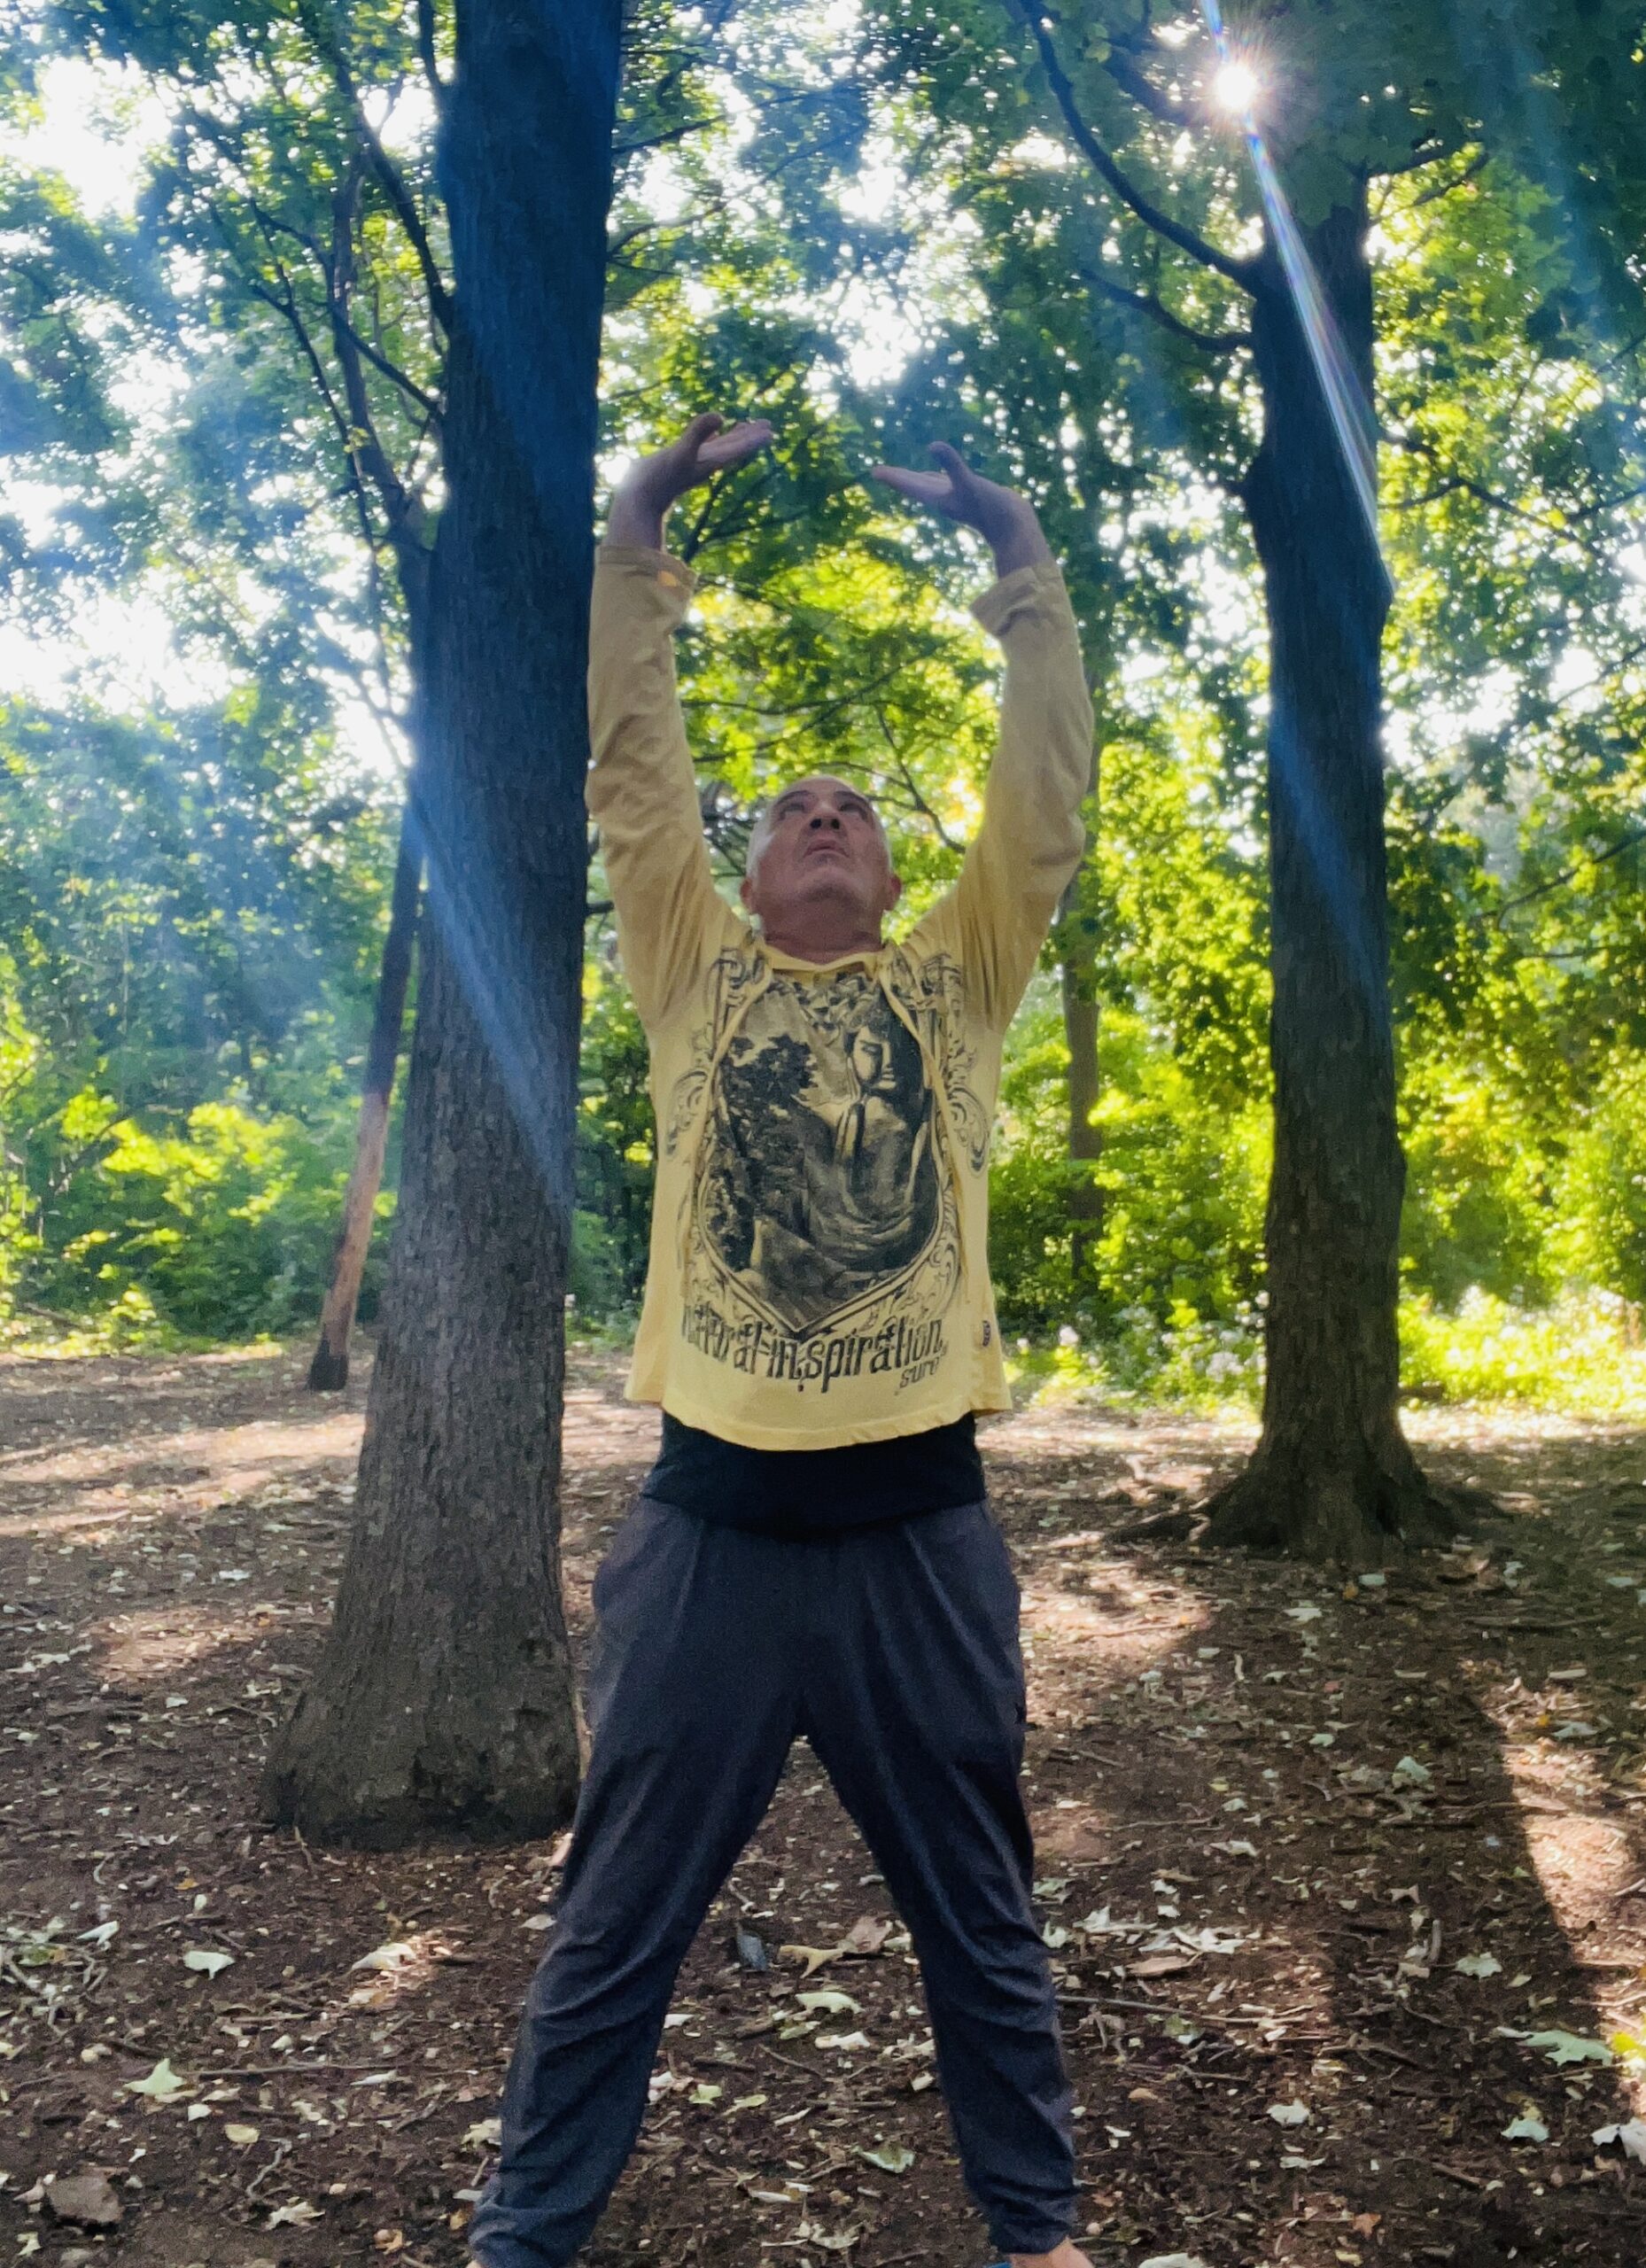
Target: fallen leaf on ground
[[294, 2217], [1561, 2046], [1528, 2128], [163, 2084], [815, 1957], [208, 1963], [1098, 1925], [891, 2157], [1162, 1964], [1289, 2114], [867, 1934], [392, 1956], [86, 2198], [1631, 2136]]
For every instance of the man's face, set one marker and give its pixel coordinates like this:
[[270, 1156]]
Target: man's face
[[819, 842]]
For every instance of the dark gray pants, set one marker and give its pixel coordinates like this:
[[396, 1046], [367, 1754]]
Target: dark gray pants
[[894, 1650]]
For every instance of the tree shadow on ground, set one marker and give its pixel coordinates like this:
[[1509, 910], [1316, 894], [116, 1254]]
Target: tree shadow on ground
[[1366, 1785], [1210, 1734]]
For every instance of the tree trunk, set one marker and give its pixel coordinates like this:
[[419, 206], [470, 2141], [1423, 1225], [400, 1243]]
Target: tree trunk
[[1331, 1478], [1085, 1142], [329, 1372], [444, 1699]]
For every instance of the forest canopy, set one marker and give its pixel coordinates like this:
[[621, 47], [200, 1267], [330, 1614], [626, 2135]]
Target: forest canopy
[[222, 342]]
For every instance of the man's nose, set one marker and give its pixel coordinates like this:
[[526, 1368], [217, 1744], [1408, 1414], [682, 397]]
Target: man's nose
[[823, 819]]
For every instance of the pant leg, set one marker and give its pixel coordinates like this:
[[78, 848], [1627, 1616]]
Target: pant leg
[[914, 1703], [692, 1703]]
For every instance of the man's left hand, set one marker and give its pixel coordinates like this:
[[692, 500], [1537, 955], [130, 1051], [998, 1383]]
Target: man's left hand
[[1004, 520]]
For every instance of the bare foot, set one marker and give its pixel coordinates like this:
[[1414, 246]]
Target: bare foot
[[1068, 2255]]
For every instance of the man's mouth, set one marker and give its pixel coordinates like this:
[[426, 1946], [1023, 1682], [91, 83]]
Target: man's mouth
[[826, 844]]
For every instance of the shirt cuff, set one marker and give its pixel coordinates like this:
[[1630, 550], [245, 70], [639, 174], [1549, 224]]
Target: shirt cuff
[[1023, 587], [640, 559]]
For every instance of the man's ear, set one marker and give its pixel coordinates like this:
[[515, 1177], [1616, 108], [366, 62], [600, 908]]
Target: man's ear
[[897, 891], [746, 891]]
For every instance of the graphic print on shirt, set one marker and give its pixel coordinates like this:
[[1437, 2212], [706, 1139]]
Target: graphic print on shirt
[[824, 1236]]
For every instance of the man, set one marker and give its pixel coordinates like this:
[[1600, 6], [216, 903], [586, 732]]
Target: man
[[812, 1553]]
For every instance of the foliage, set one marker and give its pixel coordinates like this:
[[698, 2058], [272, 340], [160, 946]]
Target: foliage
[[1600, 1235], [221, 1230], [192, 889], [616, 1145], [188, 911], [1582, 1354], [1181, 1179]]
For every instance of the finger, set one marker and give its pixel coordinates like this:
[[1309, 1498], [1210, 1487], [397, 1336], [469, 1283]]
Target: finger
[[919, 488], [737, 443], [952, 462], [687, 455]]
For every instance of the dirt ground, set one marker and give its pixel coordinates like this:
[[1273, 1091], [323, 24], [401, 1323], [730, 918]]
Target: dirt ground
[[1342, 1881]]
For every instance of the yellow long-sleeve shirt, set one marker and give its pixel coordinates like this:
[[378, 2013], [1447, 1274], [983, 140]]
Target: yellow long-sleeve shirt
[[818, 1271]]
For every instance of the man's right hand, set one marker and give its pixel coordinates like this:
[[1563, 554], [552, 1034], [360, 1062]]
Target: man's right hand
[[640, 502]]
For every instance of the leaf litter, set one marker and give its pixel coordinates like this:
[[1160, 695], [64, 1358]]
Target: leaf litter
[[1369, 1927]]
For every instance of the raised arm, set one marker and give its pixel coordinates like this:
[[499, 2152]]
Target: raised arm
[[643, 793], [1031, 838]]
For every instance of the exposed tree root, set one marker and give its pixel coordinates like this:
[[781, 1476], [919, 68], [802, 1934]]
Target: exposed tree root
[[1336, 1513]]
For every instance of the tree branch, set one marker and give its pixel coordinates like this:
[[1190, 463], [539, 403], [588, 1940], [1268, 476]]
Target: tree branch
[[388, 173], [1635, 836], [1476, 165], [1454, 483], [426, 52], [284, 302], [408, 385], [402, 509], [1125, 73], [667, 134], [1214, 342], [916, 801], [1242, 272]]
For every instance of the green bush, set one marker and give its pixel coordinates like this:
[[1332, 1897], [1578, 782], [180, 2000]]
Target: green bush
[[616, 1139], [1601, 1238], [1182, 1183], [1574, 1356], [1477, 1212], [223, 1229]]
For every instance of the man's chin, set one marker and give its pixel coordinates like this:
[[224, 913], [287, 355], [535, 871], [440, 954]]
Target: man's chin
[[825, 883]]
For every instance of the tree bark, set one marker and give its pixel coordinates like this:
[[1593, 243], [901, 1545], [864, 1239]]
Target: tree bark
[[329, 1372], [444, 1699], [1085, 1142], [1332, 1477]]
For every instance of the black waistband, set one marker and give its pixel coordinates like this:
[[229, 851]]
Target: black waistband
[[816, 1492]]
